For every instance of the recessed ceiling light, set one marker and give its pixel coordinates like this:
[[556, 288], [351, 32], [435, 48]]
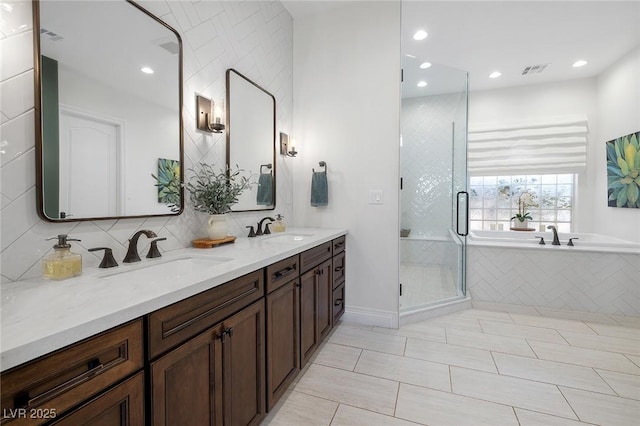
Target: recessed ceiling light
[[495, 74], [425, 65], [146, 70], [420, 35], [422, 84], [580, 63]]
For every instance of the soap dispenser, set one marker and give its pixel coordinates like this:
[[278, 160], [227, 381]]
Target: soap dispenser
[[279, 225], [61, 264]]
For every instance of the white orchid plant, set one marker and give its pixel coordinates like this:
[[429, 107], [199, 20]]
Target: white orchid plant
[[525, 200]]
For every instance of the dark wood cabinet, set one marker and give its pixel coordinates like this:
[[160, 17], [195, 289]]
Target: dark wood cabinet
[[121, 406], [283, 339], [215, 378], [315, 308]]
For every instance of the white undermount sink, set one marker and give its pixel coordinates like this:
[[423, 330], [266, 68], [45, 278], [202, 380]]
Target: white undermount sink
[[286, 238], [169, 269]]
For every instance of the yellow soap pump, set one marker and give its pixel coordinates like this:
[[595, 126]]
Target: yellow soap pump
[[61, 264], [279, 225]]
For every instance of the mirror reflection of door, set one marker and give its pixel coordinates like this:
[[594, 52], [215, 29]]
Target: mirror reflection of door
[[89, 166]]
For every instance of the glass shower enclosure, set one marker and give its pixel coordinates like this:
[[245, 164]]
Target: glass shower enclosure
[[434, 201]]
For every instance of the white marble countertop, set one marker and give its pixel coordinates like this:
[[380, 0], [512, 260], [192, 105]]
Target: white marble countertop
[[40, 316]]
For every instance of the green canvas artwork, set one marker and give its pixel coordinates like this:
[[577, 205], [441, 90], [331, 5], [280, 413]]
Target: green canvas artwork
[[623, 171], [168, 181]]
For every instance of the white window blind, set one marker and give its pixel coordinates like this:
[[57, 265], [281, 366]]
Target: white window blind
[[553, 145]]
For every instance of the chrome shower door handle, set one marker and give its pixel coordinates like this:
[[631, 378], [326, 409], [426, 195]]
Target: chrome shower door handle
[[465, 194]]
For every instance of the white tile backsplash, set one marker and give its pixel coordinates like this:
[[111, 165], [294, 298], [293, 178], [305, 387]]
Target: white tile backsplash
[[254, 37]]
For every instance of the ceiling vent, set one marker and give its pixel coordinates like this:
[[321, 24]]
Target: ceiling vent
[[50, 35], [534, 69]]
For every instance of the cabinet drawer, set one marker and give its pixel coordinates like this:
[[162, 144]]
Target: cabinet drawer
[[69, 376], [315, 256], [339, 244], [120, 406], [338, 303], [282, 272], [170, 326], [339, 264]]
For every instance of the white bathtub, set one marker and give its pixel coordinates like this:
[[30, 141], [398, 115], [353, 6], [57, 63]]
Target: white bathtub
[[599, 274], [584, 241]]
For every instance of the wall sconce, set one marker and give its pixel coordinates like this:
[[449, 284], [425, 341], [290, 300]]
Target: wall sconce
[[205, 118], [284, 146]]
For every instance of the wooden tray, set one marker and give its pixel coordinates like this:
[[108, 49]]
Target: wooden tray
[[523, 229], [207, 243]]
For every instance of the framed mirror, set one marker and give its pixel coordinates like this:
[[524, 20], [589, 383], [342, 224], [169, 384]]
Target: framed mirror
[[251, 130], [108, 96]]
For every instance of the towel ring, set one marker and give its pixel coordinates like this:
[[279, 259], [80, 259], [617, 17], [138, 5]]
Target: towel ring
[[321, 164], [268, 166]]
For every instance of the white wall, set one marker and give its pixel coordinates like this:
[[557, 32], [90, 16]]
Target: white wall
[[618, 115], [254, 37], [525, 103], [346, 111]]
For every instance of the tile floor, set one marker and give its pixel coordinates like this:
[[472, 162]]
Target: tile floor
[[499, 365]]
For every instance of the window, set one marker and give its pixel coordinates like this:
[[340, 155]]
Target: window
[[493, 200]]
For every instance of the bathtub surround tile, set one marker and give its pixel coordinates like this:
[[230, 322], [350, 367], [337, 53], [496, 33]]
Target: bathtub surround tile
[[436, 408], [450, 354], [556, 373], [355, 389], [352, 416], [354, 337], [531, 418], [602, 409], [512, 391], [338, 356], [510, 345], [522, 331], [615, 331], [604, 343], [553, 323], [297, 408], [586, 357], [405, 370], [625, 385]]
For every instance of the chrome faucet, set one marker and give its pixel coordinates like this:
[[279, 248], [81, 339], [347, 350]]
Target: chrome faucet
[[556, 241], [266, 227], [132, 252]]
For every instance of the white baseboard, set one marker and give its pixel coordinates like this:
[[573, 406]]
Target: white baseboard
[[435, 311], [374, 317]]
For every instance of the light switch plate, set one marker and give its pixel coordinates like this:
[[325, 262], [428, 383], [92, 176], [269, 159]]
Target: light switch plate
[[376, 196]]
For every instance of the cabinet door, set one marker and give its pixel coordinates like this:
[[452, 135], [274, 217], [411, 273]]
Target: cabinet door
[[308, 317], [186, 383], [283, 340], [244, 367], [324, 298], [120, 406]]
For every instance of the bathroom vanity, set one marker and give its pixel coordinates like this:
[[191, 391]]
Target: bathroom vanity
[[198, 337]]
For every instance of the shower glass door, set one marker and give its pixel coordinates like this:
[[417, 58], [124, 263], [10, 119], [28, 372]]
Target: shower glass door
[[433, 164]]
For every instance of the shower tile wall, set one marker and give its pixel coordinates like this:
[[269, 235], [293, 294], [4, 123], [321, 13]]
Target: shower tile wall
[[426, 161], [254, 37]]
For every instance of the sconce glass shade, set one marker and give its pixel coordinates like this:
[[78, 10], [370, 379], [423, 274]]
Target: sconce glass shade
[[204, 114]]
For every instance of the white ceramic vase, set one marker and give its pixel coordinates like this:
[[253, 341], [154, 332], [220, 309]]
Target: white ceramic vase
[[521, 225], [217, 227]]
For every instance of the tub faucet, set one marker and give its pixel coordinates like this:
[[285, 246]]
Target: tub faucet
[[132, 252], [556, 241]]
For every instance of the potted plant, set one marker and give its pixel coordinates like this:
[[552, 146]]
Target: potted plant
[[522, 218], [214, 193]]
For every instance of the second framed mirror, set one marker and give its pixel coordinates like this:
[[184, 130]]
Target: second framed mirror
[[251, 130]]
